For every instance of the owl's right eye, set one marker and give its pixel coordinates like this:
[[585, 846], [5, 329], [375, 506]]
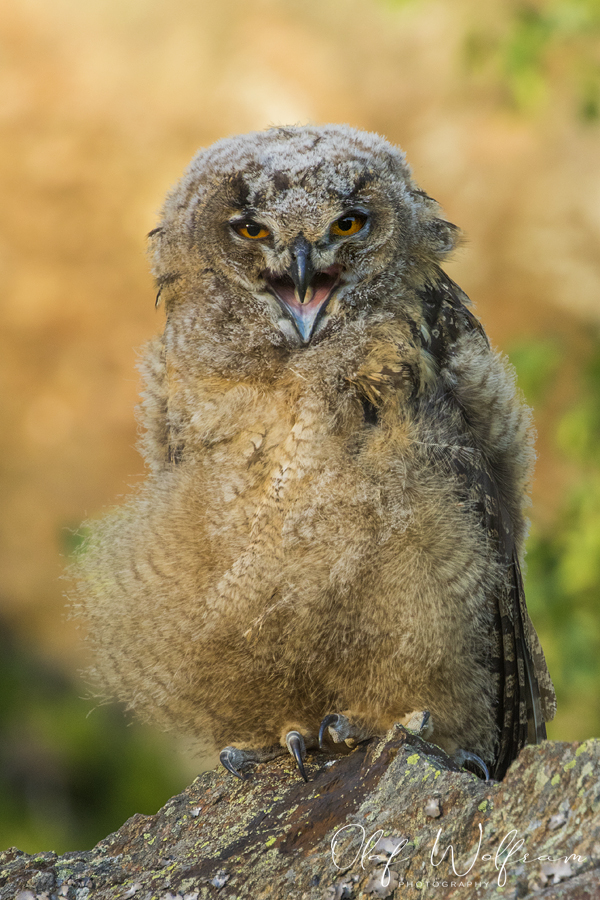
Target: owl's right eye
[[348, 225], [252, 230]]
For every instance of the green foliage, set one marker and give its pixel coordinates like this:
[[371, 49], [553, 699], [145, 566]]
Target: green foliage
[[523, 55], [563, 559], [533, 51], [540, 49], [67, 779], [537, 364], [578, 433]]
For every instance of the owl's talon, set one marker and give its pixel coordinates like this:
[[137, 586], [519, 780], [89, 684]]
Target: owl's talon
[[234, 760], [295, 744], [420, 722], [330, 720], [463, 756], [341, 728]]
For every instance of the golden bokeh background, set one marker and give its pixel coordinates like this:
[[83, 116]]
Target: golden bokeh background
[[102, 105]]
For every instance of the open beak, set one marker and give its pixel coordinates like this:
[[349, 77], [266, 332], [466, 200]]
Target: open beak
[[303, 293]]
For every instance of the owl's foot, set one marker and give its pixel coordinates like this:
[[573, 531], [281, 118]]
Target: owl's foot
[[465, 756], [420, 722], [341, 728], [236, 760]]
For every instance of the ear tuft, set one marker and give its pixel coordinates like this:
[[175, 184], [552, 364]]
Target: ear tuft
[[440, 237]]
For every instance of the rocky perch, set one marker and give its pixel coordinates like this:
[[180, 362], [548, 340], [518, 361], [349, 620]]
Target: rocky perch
[[395, 818]]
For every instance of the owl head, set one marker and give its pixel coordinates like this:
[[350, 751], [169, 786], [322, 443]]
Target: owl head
[[294, 231]]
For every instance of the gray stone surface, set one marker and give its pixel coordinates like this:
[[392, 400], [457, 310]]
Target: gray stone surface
[[364, 827]]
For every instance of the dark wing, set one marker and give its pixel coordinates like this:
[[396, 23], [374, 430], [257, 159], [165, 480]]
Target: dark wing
[[520, 716], [447, 315], [517, 660]]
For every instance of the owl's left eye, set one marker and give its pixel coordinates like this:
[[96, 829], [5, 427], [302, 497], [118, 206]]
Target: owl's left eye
[[252, 230], [348, 224]]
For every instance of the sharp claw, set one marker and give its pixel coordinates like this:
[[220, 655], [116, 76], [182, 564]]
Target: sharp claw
[[295, 744], [230, 757], [463, 756], [420, 722], [331, 719]]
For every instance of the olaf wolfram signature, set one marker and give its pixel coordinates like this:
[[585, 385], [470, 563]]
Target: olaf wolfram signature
[[508, 851]]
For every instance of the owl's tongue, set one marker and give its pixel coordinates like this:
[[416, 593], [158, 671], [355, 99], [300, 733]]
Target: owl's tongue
[[304, 314]]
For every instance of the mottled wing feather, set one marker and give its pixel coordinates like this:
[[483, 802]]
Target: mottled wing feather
[[542, 683], [447, 315], [510, 662], [516, 659]]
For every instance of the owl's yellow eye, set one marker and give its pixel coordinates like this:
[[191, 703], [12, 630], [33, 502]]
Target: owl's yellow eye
[[347, 225], [252, 230]]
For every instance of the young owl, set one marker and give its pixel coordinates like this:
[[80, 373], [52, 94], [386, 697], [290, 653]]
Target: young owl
[[329, 539]]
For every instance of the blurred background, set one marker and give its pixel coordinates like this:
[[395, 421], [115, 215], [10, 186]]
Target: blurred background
[[102, 105]]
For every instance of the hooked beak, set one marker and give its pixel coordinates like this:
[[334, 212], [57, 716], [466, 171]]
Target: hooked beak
[[301, 269], [302, 292]]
